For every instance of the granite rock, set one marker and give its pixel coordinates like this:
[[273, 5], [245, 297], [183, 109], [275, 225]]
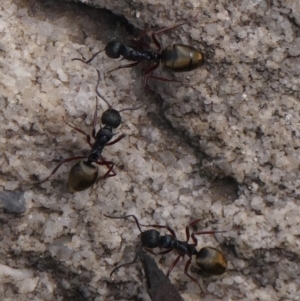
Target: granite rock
[[225, 150]]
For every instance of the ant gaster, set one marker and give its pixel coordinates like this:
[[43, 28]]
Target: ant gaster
[[84, 174], [177, 57], [210, 260]]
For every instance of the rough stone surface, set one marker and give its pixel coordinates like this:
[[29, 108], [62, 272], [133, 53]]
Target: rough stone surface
[[12, 201], [226, 150]]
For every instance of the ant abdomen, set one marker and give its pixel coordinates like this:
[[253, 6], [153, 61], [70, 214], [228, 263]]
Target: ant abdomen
[[211, 261], [112, 118], [150, 238], [181, 58], [82, 176]]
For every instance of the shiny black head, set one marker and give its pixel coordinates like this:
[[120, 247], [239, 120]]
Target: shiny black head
[[114, 49], [150, 238], [111, 118]]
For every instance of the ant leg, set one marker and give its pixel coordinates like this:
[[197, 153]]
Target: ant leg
[[131, 109], [150, 251], [208, 232], [88, 137], [89, 60], [148, 72], [153, 35], [110, 165], [124, 217], [142, 34], [161, 252], [116, 140], [203, 232], [186, 268], [110, 173], [163, 79], [194, 222], [154, 39], [125, 66], [187, 232], [157, 78], [173, 264], [165, 252], [194, 239], [148, 75], [60, 164], [139, 42]]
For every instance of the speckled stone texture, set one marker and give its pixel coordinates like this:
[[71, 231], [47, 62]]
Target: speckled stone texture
[[225, 150]]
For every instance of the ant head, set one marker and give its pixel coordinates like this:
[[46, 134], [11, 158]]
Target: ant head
[[211, 261], [111, 117], [112, 49], [82, 176], [150, 238]]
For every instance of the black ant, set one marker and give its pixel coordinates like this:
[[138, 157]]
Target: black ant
[[177, 57], [210, 260], [84, 174]]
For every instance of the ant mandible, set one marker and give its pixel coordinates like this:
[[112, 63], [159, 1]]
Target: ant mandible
[[84, 174], [210, 260], [177, 57]]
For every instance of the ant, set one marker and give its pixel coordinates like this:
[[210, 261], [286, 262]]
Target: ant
[[177, 57], [84, 174], [210, 260]]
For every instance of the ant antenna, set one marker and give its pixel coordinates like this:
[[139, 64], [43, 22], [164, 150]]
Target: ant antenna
[[124, 217], [98, 93], [139, 249], [88, 61], [131, 109]]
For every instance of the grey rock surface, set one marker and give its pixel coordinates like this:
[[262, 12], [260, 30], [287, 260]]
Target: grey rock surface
[[12, 201], [225, 150]]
